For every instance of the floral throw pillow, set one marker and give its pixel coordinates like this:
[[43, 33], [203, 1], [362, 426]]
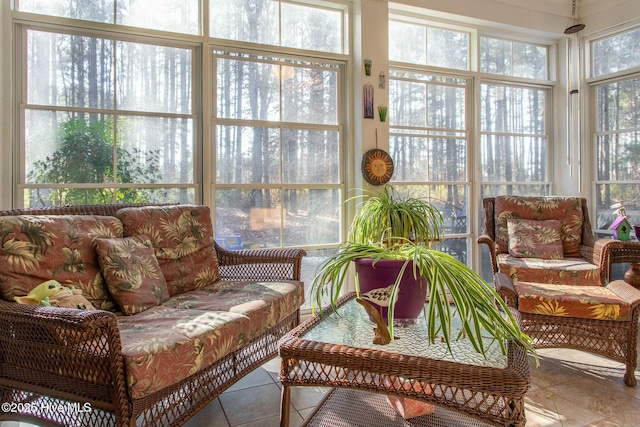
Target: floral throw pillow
[[535, 239], [182, 236], [132, 273]]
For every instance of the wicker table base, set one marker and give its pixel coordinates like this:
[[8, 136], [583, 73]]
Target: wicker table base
[[353, 408], [335, 350]]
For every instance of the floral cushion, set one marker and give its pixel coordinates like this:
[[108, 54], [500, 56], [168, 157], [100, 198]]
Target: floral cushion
[[566, 209], [535, 239], [568, 271], [162, 346], [132, 273], [41, 247], [182, 236], [585, 302], [265, 304]]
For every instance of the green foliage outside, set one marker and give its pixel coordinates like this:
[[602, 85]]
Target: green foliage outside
[[86, 155]]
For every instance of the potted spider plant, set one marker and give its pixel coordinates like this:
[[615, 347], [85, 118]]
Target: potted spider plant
[[405, 231]]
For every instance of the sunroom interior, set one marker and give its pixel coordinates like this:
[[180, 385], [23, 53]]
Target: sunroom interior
[[264, 109], [483, 98]]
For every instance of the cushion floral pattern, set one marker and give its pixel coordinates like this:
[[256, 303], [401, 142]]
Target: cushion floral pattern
[[567, 271], [162, 346], [566, 209], [132, 273], [535, 239], [41, 247], [585, 302], [182, 236], [263, 303]]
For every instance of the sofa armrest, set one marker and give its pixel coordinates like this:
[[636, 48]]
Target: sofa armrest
[[260, 264], [486, 240], [506, 290], [64, 353]]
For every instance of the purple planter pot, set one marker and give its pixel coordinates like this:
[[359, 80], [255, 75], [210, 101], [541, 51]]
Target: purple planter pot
[[412, 292]]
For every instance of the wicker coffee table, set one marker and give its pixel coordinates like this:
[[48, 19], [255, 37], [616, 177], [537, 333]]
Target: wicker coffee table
[[336, 350]]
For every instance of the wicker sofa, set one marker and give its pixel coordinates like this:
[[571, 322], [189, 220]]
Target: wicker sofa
[[153, 358]]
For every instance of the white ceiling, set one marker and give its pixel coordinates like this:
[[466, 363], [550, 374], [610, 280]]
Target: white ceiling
[[540, 18], [563, 7]]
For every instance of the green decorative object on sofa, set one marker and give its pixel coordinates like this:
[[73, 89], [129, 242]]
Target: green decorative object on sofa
[[216, 317]]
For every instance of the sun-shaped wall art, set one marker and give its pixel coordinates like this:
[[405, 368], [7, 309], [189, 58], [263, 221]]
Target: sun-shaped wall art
[[377, 167]]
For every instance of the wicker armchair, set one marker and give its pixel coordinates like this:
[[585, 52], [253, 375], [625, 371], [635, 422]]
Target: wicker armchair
[[586, 262]]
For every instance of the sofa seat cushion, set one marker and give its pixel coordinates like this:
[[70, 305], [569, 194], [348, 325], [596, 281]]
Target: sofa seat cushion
[[570, 271], [162, 346], [182, 237], [264, 303], [585, 302], [43, 247], [566, 209]]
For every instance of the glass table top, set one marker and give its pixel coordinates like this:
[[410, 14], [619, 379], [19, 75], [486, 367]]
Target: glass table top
[[351, 326]]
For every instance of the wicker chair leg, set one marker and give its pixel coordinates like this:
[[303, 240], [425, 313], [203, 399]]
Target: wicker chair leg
[[629, 377], [632, 351]]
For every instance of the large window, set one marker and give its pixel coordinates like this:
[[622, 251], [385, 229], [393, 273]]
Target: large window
[[429, 142], [111, 96], [278, 138], [514, 140], [429, 122], [106, 120], [514, 130], [279, 125], [433, 116], [616, 132]]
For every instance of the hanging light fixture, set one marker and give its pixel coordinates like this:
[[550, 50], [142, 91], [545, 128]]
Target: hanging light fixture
[[574, 25]]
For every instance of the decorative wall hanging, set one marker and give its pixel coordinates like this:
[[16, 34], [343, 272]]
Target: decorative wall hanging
[[377, 167], [382, 112], [382, 80], [367, 67], [367, 96]]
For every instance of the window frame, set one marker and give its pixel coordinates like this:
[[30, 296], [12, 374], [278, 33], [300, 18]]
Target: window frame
[[548, 117], [22, 105], [590, 126], [340, 127]]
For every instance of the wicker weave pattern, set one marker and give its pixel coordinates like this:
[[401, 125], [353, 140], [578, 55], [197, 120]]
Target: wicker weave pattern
[[490, 394], [612, 339], [351, 408], [55, 358]]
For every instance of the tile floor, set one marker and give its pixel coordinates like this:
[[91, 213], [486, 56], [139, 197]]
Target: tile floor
[[569, 389]]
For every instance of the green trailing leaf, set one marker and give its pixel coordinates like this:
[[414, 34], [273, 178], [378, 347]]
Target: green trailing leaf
[[390, 228]]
